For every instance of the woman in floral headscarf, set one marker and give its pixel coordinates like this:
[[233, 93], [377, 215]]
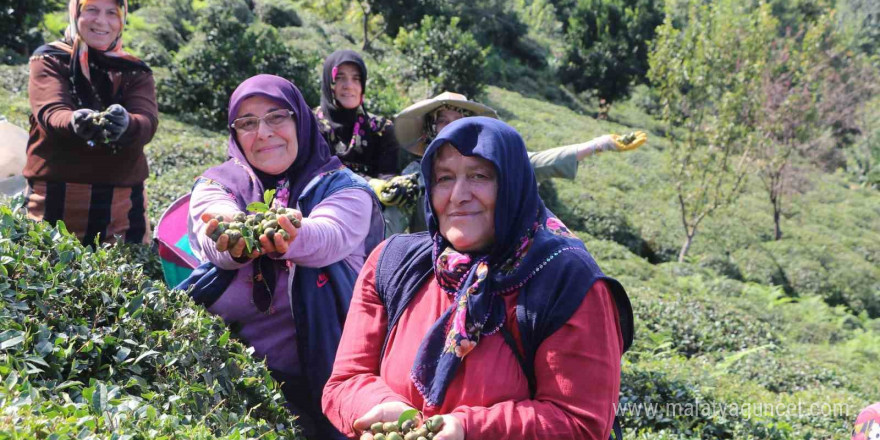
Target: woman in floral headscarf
[[93, 109], [363, 141], [496, 318]]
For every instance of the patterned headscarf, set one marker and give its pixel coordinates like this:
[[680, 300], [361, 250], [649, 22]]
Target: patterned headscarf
[[74, 44], [86, 93]]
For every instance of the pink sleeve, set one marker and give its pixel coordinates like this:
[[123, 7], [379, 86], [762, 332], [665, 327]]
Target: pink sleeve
[[355, 385], [334, 229], [577, 370], [211, 198]]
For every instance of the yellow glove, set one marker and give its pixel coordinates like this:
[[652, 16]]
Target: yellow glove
[[378, 186], [630, 141]]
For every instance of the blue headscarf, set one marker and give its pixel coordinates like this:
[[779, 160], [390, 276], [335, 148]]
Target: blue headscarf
[[531, 246]]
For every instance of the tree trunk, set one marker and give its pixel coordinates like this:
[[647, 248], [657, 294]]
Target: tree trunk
[[777, 230], [366, 31], [685, 247]]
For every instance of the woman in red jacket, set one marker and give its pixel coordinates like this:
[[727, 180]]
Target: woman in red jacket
[[497, 318]]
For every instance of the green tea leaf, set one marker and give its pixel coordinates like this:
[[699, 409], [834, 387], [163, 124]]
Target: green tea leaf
[[268, 196], [62, 227], [122, 354], [407, 415], [99, 398], [258, 207], [223, 339], [11, 342], [146, 354]]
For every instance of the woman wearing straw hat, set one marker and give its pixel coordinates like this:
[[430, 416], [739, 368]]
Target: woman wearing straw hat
[[93, 109], [417, 125]]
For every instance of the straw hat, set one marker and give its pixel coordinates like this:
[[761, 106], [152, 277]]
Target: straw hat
[[409, 125]]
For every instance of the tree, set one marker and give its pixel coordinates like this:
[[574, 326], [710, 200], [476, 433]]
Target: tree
[[703, 72], [444, 55], [19, 27], [400, 13], [607, 46], [811, 94], [227, 49]]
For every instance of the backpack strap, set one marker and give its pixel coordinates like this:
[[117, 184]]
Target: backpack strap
[[405, 263], [529, 372]]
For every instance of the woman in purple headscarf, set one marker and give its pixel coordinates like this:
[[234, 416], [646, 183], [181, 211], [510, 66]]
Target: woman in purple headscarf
[[289, 298]]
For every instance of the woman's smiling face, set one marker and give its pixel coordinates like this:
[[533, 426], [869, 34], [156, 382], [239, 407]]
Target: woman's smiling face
[[269, 149], [99, 23], [347, 86], [464, 190]]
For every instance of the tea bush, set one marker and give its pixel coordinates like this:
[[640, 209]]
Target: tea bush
[[92, 346]]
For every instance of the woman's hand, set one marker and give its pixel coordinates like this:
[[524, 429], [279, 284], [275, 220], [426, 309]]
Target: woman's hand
[[82, 123], [277, 243], [452, 429], [621, 143], [222, 244], [117, 122], [383, 412]]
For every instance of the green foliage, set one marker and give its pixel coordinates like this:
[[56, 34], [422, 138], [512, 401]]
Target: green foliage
[[703, 73], [445, 56], [277, 13], [694, 326], [607, 45], [227, 50], [91, 346], [19, 28], [154, 33]]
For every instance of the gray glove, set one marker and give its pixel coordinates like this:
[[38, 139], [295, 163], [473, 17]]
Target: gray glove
[[117, 122], [83, 124]]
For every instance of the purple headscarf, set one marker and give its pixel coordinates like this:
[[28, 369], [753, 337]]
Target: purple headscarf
[[313, 156]]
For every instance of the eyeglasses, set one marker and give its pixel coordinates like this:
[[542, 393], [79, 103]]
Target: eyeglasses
[[274, 119]]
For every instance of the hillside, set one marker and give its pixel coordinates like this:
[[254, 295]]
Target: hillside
[[744, 323], [748, 338]]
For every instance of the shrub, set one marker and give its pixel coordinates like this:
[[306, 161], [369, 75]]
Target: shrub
[[278, 13], [787, 374], [227, 50], [695, 325], [599, 221], [445, 56], [90, 346]]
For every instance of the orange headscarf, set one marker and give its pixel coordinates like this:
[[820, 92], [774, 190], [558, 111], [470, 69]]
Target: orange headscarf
[[79, 50]]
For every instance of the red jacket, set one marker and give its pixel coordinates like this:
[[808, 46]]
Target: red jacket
[[577, 369]]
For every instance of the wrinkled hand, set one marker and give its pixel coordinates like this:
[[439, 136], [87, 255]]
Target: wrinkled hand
[[452, 429], [83, 123], [278, 243], [629, 142], [222, 244], [117, 122], [383, 412]]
